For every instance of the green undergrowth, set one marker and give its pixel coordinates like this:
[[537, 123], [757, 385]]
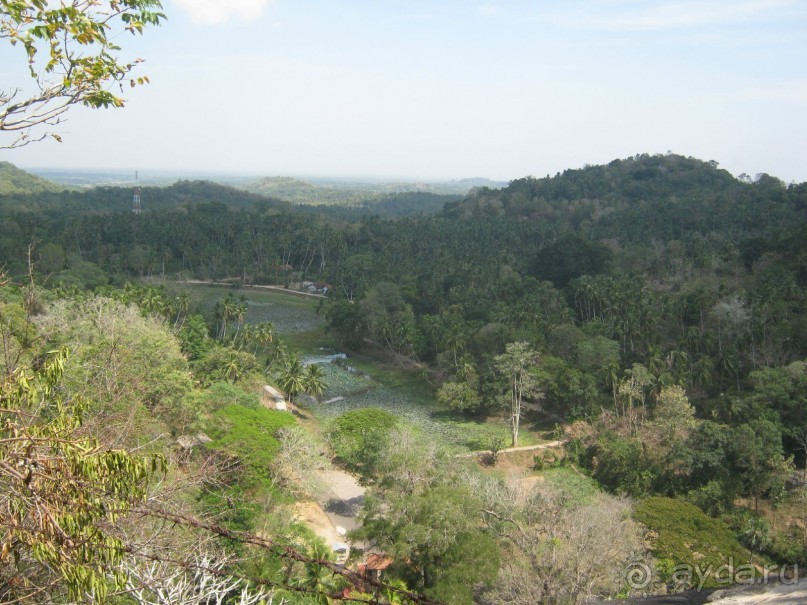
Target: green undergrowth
[[683, 537], [581, 490], [249, 434], [221, 394]]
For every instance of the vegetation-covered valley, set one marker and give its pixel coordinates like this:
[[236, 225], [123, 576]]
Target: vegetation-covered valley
[[649, 314]]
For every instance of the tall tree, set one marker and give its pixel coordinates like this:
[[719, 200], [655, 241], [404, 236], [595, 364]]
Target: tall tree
[[314, 381], [292, 377], [514, 365]]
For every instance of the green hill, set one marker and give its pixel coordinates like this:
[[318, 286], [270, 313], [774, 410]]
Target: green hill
[[683, 537], [366, 194], [62, 202], [635, 179], [639, 199], [15, 181], [298, 192]]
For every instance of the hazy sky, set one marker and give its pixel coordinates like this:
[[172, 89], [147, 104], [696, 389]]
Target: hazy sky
[[451, 89]]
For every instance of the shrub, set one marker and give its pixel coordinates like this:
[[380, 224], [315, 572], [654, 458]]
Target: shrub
[[684, 535], [249, 435], [358, 437], [538, 462], [621, 466], [222, 394]]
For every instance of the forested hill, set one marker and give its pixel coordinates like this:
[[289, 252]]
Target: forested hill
[[119, 199], [357, 193], [22, 191], [643, 198], [635, 178], [16, 181]]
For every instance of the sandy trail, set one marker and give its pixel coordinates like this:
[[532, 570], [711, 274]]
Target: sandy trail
[[520, 448], [311, 514], [779, 594], [343, 498], [337, 507]]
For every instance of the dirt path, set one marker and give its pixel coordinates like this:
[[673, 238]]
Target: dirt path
[[343, 498], [336, 511], [312, 514], [520, 448], [779, 594], [202, 282]]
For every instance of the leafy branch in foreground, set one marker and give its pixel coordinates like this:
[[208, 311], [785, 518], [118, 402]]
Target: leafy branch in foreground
[[71, 58], [60, 494]]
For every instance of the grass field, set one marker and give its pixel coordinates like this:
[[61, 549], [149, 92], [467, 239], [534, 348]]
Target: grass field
[[365, 384], [291, 313]]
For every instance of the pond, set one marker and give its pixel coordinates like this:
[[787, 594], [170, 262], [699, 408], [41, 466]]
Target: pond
[[287, 319]]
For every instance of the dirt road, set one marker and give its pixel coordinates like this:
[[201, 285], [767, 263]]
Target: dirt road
[[778, 594], [343, 498], [283, 289], [520, 448]]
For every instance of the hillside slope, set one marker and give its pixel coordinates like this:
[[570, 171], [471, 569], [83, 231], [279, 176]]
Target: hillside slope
[[13, 180], [640, 199]]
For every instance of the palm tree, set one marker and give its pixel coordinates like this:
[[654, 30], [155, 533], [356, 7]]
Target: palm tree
[[292, 378], [153, 301], [224, 312], [319, 578], [279, 353], [314, 381], [232, 368], [263, 334], [240, 313], [244, 335], [182, 302]]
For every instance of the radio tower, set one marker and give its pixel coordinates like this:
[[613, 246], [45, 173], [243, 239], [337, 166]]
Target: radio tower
[[136, 196]]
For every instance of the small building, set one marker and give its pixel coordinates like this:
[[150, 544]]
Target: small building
[[274, 399], [373, 566], [342, 552]]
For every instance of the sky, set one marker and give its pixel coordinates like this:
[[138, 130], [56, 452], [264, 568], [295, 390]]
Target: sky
[[448, 89]]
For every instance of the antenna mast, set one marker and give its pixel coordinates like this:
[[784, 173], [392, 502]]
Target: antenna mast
[[136, 196]]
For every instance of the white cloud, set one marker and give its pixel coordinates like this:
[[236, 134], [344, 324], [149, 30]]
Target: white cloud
[[214, 12]]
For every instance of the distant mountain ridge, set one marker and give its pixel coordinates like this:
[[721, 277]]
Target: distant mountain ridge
[[14, 180], [355, 192], [64, 202]]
